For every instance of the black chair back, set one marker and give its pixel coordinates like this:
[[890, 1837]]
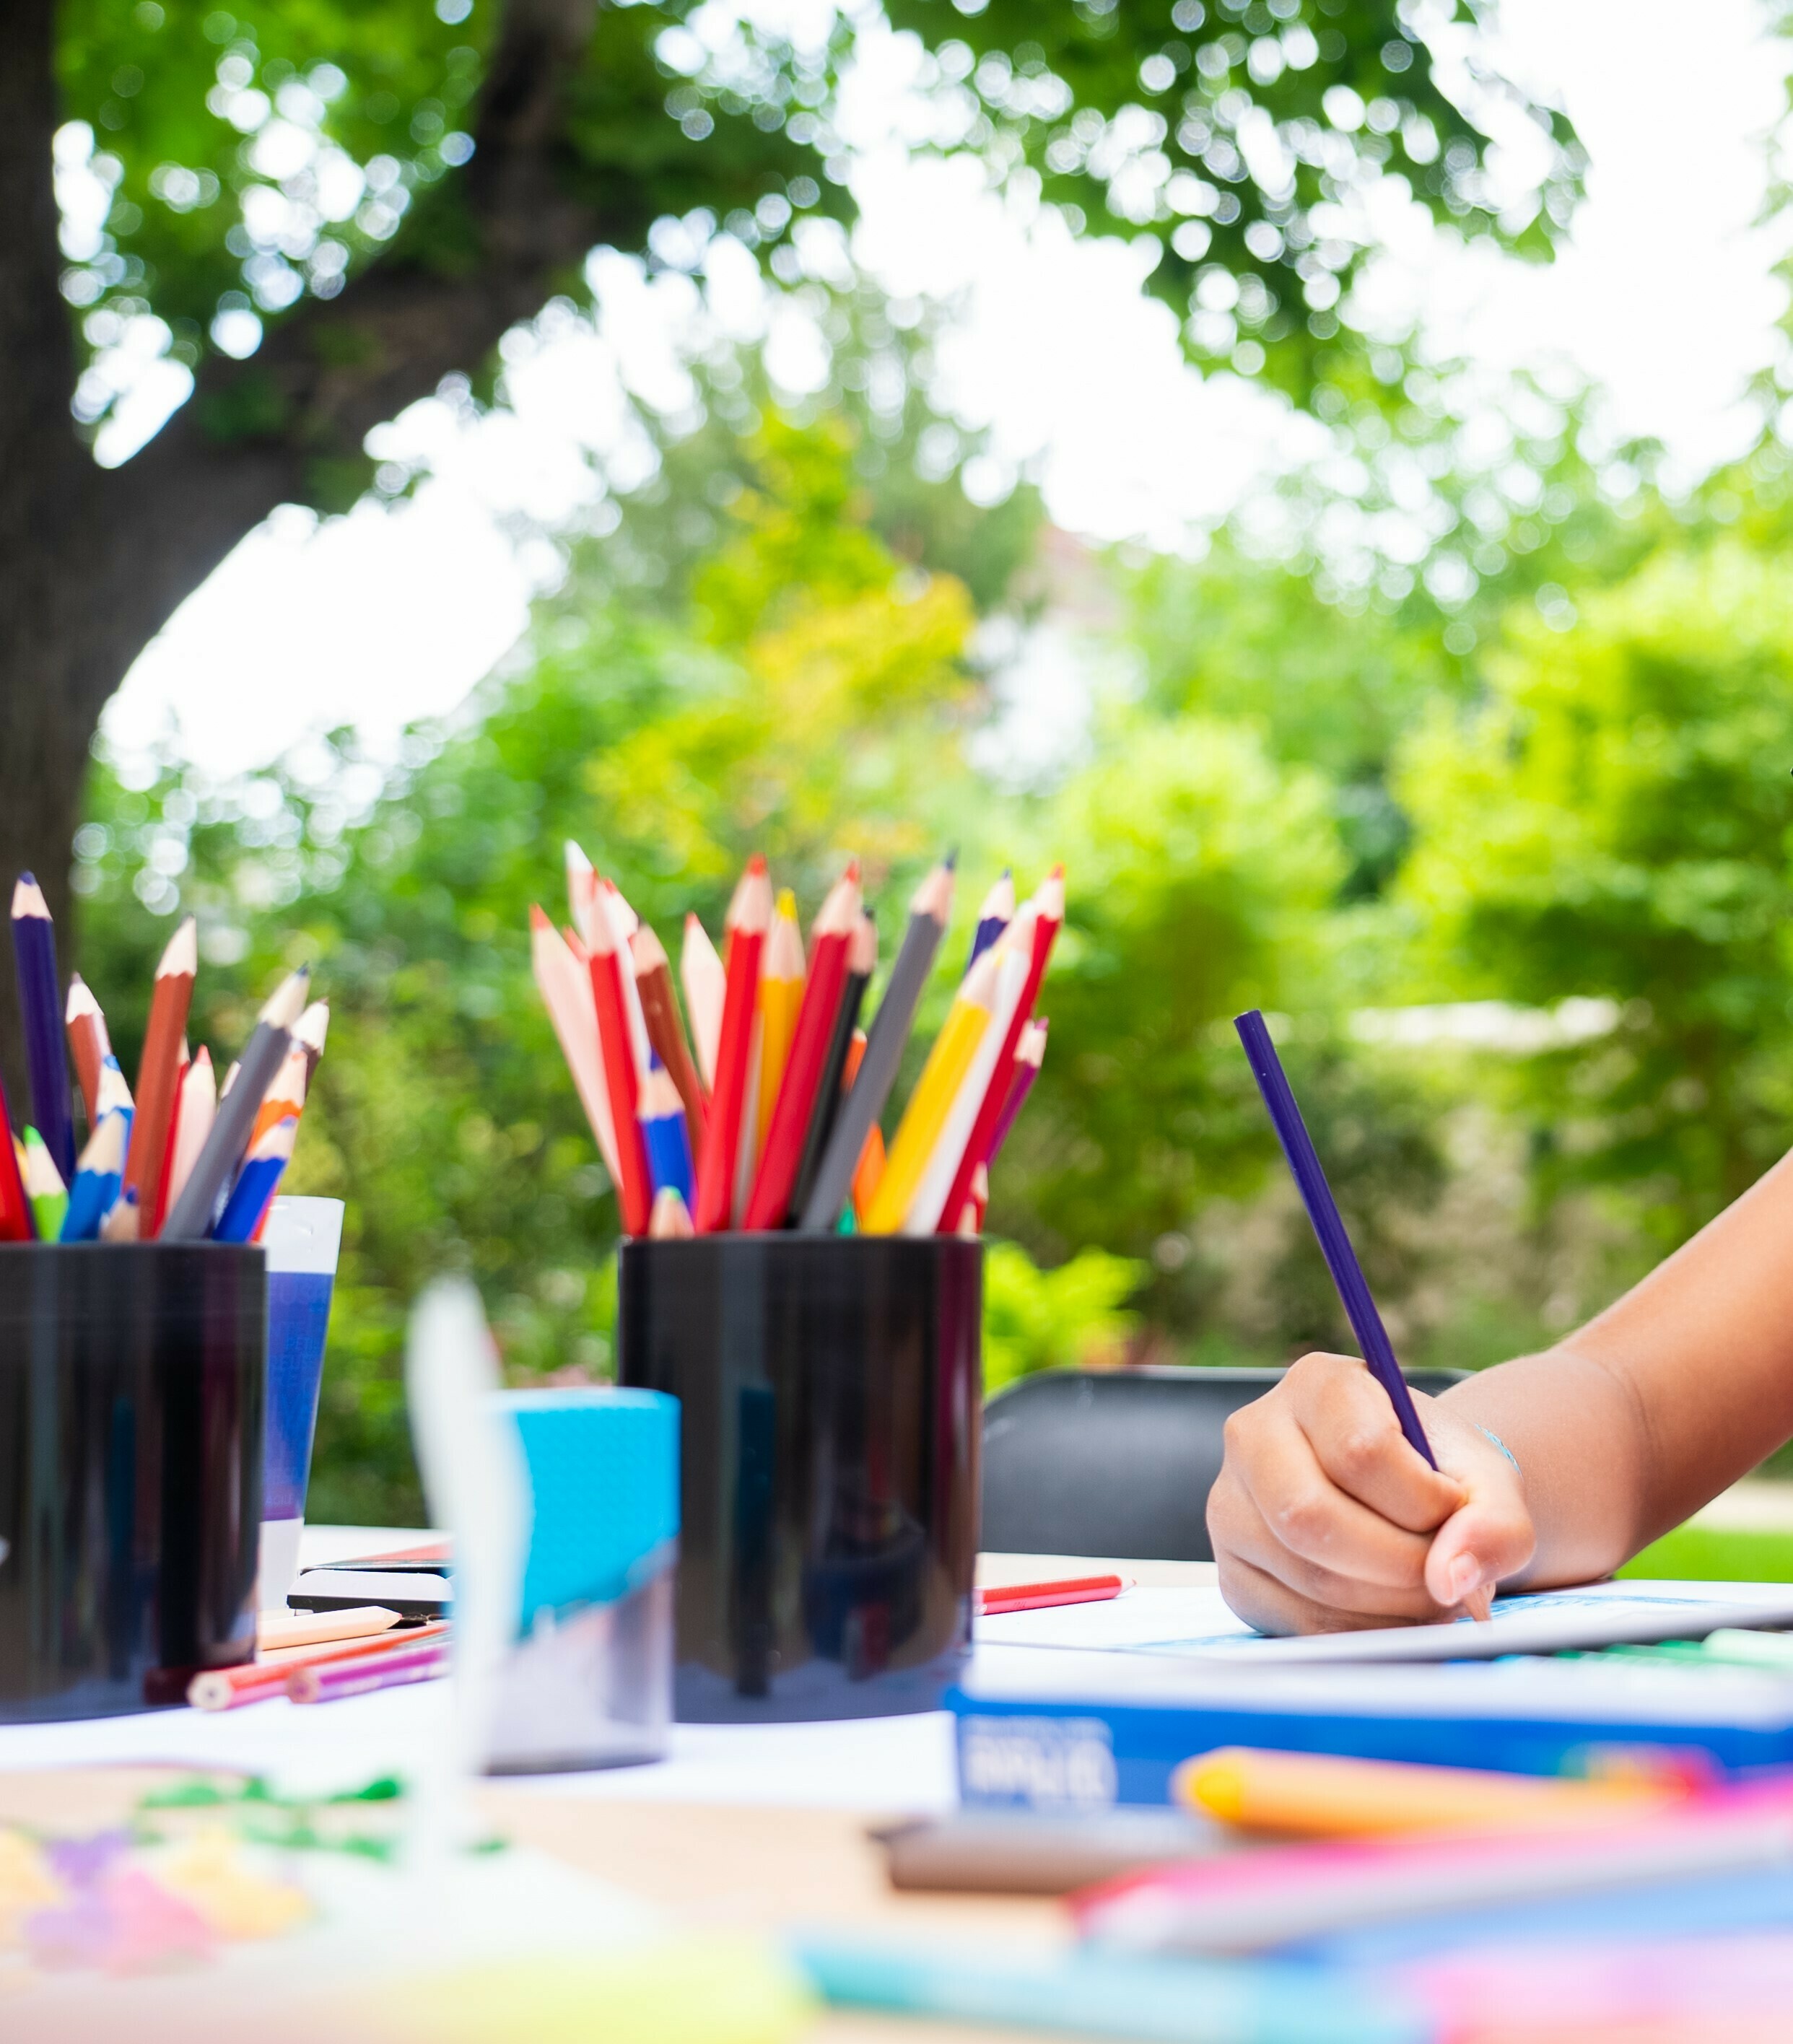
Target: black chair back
[[1116, 1461]]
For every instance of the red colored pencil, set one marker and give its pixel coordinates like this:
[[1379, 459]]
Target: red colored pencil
[[1045, 1596], [750, 915], [16, 1222], [822, 989], [635, 1190], [1049, 898], [259, 1681]]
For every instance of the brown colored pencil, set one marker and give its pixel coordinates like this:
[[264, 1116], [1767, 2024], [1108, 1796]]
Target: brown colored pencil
[[666, 1031], [158, 1073], [88, 1042]]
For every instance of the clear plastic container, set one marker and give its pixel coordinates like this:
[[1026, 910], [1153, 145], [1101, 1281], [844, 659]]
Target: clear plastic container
[[589, 1681]]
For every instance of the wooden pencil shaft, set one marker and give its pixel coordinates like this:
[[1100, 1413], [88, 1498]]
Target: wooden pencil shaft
[[191, 1212], [666, 1033], [884, 1047]]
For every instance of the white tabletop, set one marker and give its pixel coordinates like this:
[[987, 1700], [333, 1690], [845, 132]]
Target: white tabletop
[[893, 1764]]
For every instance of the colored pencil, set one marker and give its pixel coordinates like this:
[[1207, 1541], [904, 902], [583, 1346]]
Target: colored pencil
[[1329, 1227], [582, 888], [193, 1124], [34, 955], [189, 1213], [1014, 953], [44, 1188], [810, 1036], [97, 1179], [257, 1181], [929, 910], [563, 977], [1237, 1903], [286, 1097], [257, 1681], [158, 1071], [995, 916], [706, 985], [284, 1631], [88, 1042], [332, 1680], [666, 1033], [16, 1221], [634, 1192], [664, 1136], [862, 962], [123, 1221], [749, 914], [1049, 898], [671, 1220], [1047, 1596], [1030, 1054], [867, 1175], [781, 997], [918, 1131], [313, 1029], [1314, 1795], [624, 923]]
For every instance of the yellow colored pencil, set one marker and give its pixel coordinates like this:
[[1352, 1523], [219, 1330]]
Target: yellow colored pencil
[[781, 995], [931, 1101]]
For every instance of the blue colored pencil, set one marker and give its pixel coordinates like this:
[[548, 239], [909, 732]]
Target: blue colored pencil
[[97, 1179], [46, 1057], [993, 917], [269, 1155], [668, 1141], [1322, 1211]]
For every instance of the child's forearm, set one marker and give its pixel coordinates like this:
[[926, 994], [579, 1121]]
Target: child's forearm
[[1675, 1391]]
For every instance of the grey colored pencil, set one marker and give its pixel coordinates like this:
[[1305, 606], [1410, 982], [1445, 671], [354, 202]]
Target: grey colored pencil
[[928, 913], [191, 1214]]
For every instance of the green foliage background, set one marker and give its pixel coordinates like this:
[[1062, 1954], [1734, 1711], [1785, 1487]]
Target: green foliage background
[[1557, 772]]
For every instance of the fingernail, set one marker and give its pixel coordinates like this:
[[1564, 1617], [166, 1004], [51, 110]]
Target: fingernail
[[1466, 1573]]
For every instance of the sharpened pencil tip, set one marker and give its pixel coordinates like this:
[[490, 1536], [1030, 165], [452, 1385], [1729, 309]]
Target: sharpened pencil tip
[[951, 859], [27, 899]]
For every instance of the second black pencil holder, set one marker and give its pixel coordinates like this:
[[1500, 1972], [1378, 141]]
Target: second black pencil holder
[[831, 1388], [130, 1396]]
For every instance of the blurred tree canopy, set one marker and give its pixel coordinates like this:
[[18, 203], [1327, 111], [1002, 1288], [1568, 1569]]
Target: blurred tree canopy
[[304, 216]]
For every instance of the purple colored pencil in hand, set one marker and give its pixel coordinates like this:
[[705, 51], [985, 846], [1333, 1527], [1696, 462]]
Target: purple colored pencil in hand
[[1322, 1211]]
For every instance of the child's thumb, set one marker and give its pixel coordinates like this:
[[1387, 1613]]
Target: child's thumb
[[1489, 1538]]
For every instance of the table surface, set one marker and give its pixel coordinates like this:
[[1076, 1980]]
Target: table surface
[[757, 1827]]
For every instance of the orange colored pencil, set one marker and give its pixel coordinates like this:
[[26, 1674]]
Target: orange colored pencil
[[159, 1071], [634, 1188], [1049, 900], [287, 1095], [258, 1681], [88, 1044], [750, 913], [783, 1150]]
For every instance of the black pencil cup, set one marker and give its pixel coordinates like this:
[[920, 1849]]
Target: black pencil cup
[[131, 1394], [831, 1388]]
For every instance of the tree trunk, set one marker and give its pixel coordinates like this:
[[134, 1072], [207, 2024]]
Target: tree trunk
[[93, 562]]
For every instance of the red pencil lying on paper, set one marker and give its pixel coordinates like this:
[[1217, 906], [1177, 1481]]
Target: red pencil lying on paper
[[1041, 1596]]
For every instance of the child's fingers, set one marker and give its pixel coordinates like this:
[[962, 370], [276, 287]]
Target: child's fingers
[[1346, 1414], [1328, 1540], [1490, 1538]]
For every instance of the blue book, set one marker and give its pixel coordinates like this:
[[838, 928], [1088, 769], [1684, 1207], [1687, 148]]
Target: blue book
[[1050, 1728]]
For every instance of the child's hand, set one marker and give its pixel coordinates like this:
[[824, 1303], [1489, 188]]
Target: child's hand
[[1323, 1518]]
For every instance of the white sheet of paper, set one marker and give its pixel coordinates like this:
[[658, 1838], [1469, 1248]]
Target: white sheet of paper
[[1196, 1623]]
